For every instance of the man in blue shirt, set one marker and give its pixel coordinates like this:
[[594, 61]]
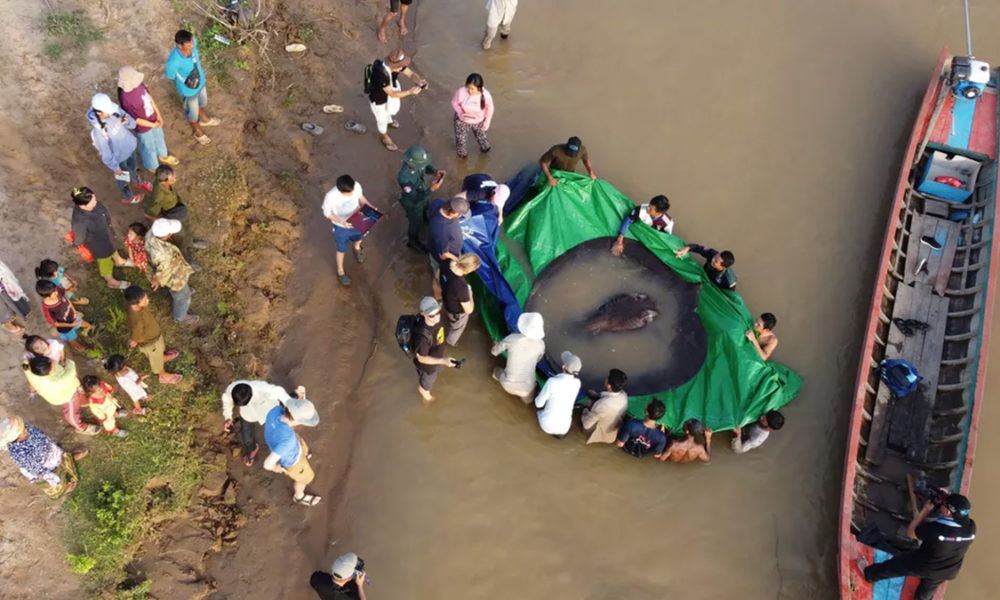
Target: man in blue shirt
[[184, 69], [289, 452], [640, 438]]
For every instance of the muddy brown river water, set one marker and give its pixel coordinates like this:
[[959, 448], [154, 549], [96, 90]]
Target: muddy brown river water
[[776, 128]]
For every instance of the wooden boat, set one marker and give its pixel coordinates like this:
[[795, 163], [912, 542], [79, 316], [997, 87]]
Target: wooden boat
[[938, 267]]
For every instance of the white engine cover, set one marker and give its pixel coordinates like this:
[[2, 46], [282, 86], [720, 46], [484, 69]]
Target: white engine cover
[[980, 72]]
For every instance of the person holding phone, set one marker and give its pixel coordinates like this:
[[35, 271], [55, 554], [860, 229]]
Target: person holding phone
[[185, 70], [384, 92]]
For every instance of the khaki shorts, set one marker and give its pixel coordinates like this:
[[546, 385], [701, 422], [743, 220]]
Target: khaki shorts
[[301, 471]]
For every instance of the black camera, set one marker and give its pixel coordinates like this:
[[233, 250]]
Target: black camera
[[458, 363], [361, 564]]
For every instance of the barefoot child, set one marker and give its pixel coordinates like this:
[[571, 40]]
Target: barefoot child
[[50, 348], [103, 405], [129, 381], [135, 244], [60, 313], [50, 269]]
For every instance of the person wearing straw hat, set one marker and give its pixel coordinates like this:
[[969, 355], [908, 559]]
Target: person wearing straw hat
[[558, 397], [384, 92], [39, 458], [524, 350], [136, 100], [289, 452], [111, 133]]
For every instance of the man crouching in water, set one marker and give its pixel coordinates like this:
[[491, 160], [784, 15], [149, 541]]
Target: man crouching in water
[[696, 444]]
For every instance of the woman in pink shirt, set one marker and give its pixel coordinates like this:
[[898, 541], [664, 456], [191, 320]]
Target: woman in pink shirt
[[473, 106]]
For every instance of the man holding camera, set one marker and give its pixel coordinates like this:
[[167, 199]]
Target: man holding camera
[[943, 544], [346, 579]]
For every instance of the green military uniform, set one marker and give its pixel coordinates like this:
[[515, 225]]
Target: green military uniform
[[415, 191]]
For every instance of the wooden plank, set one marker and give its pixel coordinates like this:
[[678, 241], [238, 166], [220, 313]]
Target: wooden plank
[[909, 421], [925, 264]]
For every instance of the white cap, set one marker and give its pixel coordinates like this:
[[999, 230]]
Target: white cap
[[531, 325], [165, 227], [102, 103], [572, 362], [303, 411]]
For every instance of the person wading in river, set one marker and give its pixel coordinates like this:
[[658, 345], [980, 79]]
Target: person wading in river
[[641, 437], [747, 438], [429, 355], [603, 413], [558, 397], [762, 335], [415, 192], [695, 445], [499, 16], [718, 265], [653, 214], [565, 157], [444, 236], [524, 350], [457, 295]]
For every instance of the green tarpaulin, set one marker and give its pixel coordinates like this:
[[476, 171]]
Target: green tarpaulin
[[733, 387]]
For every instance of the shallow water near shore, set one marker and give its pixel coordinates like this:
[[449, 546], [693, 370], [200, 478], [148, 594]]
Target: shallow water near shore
[[776, 130]]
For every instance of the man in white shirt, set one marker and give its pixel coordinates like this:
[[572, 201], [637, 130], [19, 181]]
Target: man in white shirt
[[558, 397], [254, 400], [602, 415], [340, 204], [745, 440]]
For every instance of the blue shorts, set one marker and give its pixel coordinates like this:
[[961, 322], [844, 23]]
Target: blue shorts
[[344, 236], [192, 104], [70, 335]]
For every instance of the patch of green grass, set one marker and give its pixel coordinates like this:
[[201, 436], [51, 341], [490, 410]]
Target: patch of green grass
[[289, 100], [242, 65], [67, 30], [305, 33]]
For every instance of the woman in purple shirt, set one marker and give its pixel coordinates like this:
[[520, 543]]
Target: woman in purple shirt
[[136, 100]]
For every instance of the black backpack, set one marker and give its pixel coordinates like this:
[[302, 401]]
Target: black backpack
[[639, 445], [405, 326]]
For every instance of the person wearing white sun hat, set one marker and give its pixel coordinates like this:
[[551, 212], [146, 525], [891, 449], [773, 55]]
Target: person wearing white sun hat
[[524, 350]]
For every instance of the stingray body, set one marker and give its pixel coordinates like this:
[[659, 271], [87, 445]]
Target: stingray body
[[624, 312]]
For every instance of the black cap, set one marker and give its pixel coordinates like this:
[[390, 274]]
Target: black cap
[[573, 146], [958, 505]]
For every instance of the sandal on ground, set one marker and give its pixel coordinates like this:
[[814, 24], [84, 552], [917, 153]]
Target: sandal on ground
[[89, 430], [135, 199], [12, 328], [313, 129], [80, 301], [121, 285], [170, 378], [344, 279], [170, 355], [295, 48], [355, 127], [390, 146], [199, 244], [203, 139], [80, 453], [359, 254], [249, 458], [333, 108], [188, 320], [211, 122], [169, 159], [307, 500]]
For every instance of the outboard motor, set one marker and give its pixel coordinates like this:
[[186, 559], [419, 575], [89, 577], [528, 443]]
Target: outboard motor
[[969, 76]]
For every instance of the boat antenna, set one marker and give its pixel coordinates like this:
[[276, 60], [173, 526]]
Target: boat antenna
[[968, 30]]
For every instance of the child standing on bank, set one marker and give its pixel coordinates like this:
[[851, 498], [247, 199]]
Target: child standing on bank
[[103, 405], [130, 381], [59, 312], [50, 269]]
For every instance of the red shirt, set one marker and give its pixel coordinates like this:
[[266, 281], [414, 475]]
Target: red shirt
[[139, 104]]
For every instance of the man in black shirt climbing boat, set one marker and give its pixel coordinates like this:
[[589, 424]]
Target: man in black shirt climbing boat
[[943, 544]]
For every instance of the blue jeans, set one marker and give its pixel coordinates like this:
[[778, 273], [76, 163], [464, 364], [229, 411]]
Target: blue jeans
[[181, 302], [152, 145], [130, 166], [344, 236]]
